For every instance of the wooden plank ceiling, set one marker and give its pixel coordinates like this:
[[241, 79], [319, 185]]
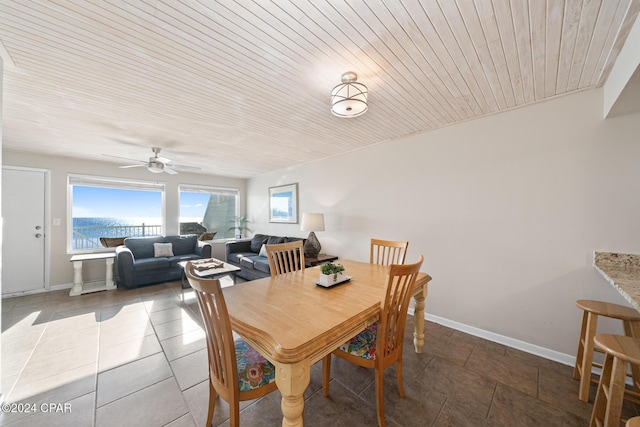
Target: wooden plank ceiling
[[241, 88]]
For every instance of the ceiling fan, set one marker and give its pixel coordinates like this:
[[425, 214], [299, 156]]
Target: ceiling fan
[[156, 164]]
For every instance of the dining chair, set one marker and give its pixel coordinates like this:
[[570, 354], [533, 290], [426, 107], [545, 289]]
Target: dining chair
[[380, 344], [387, 252], [237, 372], [285, 257]]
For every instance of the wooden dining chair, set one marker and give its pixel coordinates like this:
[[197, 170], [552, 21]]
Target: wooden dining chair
[[285, 257], [237, 372], [380, 344], [387, 252]]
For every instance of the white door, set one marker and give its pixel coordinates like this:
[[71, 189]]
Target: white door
[[23, 245]]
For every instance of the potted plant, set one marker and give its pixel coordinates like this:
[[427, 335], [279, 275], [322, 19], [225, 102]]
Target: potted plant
[[329, 273], [240, 226]]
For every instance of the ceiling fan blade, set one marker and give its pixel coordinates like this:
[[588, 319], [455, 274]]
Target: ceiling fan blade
[[161, 163], [125, 158], [183, 167], [170, 171]]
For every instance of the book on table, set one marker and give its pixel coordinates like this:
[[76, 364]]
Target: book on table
[[207, 264]]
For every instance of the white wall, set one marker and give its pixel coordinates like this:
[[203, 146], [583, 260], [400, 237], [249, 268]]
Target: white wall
[[507, 211], [61, 271]]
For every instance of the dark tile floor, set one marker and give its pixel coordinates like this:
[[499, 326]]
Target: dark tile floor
[[138, 358]]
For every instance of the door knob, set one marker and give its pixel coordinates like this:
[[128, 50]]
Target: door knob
[[38, 227], [38, 235]]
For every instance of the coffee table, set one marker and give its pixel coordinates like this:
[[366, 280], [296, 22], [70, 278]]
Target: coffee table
[[212, 273]]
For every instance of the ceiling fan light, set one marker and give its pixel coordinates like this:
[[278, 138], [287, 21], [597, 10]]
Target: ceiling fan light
[[155, 167], [349, 99]]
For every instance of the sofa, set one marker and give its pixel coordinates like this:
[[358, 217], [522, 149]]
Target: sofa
[[247, 255], [147, 260]]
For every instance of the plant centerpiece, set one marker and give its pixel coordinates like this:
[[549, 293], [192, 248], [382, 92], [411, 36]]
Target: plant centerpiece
[[329, 273], [240, 226]]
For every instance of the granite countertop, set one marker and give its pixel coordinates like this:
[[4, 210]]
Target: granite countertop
[[623, 272]]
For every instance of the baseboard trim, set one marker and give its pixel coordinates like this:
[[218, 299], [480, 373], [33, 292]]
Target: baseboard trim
[[61, 287], [38, 291], [556, 356]]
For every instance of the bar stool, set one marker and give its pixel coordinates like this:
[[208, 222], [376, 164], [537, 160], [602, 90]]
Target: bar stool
[[619, 351], [584, 359], [633, 422]]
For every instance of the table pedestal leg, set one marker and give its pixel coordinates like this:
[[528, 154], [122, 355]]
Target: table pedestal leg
[[292, 380], [109, 275], [77, 279], [418, 319]]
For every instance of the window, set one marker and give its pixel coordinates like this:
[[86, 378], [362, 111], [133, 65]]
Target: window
[[208, 210], [109, 208]]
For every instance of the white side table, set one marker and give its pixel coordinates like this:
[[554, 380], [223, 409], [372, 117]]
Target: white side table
[[79, 287]]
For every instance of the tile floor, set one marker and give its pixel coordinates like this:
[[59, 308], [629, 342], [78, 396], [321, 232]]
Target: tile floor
[[138, 358]]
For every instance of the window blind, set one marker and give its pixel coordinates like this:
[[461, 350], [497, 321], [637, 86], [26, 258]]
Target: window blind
[[94, 181], [190, 188]]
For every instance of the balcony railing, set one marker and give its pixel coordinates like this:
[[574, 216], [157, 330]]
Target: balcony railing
[[88, 237]]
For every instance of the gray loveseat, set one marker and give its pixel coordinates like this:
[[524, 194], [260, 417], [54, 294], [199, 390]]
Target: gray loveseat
[[141, 262], [246, 255]]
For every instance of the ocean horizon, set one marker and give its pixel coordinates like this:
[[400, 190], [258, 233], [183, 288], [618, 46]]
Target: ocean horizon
[[114, 222]]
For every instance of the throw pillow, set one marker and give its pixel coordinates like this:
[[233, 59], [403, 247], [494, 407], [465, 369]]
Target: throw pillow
[[257, 241], [162, 249], [263, 251]]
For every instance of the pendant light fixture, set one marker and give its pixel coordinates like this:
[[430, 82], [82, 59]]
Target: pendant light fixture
[[349, 99]]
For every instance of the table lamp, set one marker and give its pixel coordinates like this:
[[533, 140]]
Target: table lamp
[[312, 222]]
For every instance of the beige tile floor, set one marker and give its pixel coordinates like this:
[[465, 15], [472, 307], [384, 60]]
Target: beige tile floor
[[138, 358]]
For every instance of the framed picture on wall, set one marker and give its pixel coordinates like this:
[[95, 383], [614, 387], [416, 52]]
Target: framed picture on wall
[[283, 204]]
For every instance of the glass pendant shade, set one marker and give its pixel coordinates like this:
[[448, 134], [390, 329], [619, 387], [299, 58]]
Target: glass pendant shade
[[349, 99]]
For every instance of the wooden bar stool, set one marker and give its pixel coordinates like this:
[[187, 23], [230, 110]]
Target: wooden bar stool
[[633, 422], [584, 359], [619, 351]]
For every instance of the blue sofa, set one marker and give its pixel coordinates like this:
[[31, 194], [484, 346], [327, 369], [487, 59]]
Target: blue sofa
[[246, 255], [140, 262]]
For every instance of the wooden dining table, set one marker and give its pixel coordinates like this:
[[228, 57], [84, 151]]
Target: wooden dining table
[[293, 322]]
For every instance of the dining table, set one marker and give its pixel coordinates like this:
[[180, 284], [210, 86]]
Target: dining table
[[293, 322]]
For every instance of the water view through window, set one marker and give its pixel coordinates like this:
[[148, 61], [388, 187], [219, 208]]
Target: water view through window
[[115, 209], [112, 213]]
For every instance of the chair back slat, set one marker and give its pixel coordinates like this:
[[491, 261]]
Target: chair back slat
[[387, 252], [285, 257], [220, 347], [393, 316]]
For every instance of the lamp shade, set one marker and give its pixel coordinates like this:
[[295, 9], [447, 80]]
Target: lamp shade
[[349, 99], [312, 222]]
